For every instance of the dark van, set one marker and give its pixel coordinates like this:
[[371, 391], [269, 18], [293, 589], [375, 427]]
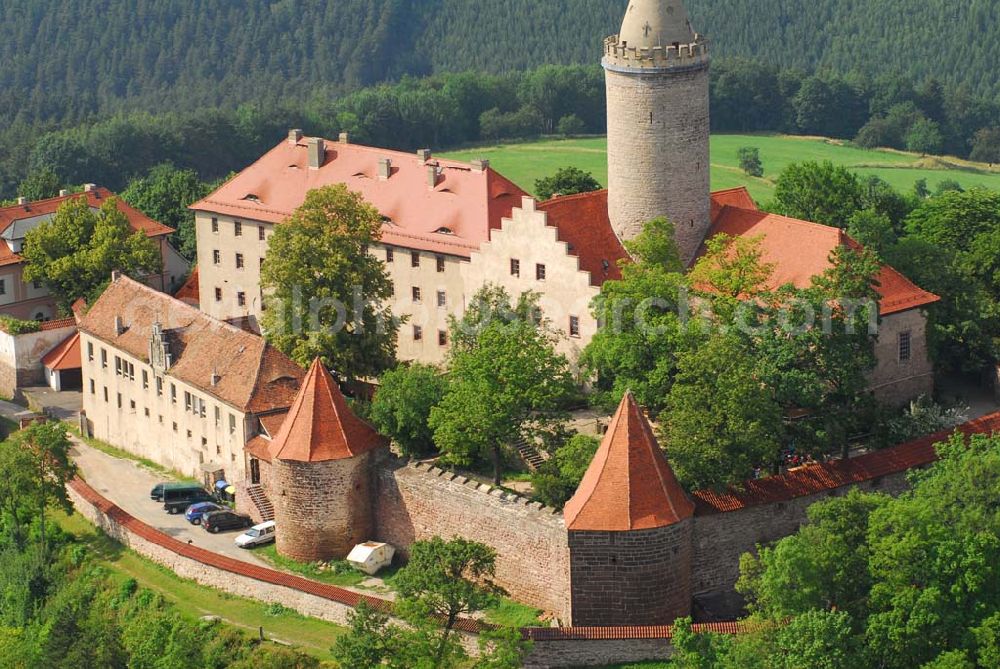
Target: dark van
[[176, 500], [224, 520], [156, 494]]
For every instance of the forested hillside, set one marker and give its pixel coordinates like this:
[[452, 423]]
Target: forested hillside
[[62, 60]]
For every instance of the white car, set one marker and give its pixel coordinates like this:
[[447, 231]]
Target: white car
[[256, 535]]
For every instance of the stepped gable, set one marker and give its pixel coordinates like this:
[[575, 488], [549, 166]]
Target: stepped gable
[[629, 485], [320, 427], [453, 216], [800, 250], [221, 360], [583, 223]]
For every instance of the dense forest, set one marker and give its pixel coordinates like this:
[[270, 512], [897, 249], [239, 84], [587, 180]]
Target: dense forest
[[62, 60]]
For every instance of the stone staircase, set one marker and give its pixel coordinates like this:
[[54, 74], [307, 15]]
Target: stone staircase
[[260, 501], [530, 455]]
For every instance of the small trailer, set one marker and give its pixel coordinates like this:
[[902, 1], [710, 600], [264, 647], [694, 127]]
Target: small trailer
[[371, 556]]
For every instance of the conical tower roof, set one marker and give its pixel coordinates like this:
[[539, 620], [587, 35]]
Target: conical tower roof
[[629, 485], [320, 426], [650, 23]]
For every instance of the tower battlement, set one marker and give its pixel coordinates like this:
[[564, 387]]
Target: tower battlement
[[618, 54]]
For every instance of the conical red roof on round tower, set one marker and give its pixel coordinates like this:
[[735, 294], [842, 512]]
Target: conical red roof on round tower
[[320, 426], [629, 484]]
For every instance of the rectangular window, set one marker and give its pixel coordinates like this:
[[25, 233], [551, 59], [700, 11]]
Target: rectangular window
[[119, 400], [232, 424], [187, 401], [189, 434], [540, 272], [218, 417], [146, 412], [216, 257], [238, 229], [260, 263], [239, 261], [93, 387], [159, 387], [131, 405], [175, 426], [418, 333], [3, 286], [905, 346], [389, 254], [442, 299], [173, 394], [574, 326], [37, 285], [215, 225], [515, 267], [90, 351], [131, 372], [145, 379], [218, 295], [414, 259], [416, 295], [118, 366], [104, 358], [440, 264], [442, 337], [261, 235], [105, 394], [241, 299]]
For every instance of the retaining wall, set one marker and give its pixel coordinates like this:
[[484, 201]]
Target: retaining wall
[[21, 355]]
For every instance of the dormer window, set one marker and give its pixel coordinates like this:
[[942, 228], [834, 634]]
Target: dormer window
[[444, 231]]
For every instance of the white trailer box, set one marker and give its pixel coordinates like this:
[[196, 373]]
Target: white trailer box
[[371, 556]]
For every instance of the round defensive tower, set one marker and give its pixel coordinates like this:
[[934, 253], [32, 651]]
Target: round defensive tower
[[321, 474], [656, 72], [630, 531]]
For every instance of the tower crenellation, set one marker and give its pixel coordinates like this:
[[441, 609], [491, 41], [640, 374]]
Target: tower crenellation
[[656, 72]]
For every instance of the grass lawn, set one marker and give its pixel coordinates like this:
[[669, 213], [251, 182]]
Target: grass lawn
[[345, 576], [527, 161], [191, 599], [509, 613]]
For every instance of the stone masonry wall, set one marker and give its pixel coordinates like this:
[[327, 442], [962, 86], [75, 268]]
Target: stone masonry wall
[[546, 654], [721, 538], [416, 502], [896, 381], [658, 153], [631, 578], [321, 509]]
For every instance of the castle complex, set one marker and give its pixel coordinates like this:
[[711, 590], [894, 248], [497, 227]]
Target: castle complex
[[632, 547]]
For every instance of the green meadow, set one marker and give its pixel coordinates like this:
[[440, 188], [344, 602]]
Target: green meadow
[[527, 161]]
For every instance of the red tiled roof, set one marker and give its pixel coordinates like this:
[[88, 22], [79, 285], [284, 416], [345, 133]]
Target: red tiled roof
[[259, 447], [95, 198], [583, 223], [64, 356], [465, 202], [629, 484], [189, 291], [831, 475], [251, 374], [734, 197], [320, 426], [57, 324], [800, 250]]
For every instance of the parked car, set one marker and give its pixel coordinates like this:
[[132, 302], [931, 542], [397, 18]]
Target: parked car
[[257, 535], [177, 500], [224, 520], [156, 494], [195, 512]]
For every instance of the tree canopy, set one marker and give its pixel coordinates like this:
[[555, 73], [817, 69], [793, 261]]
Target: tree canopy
[[74, 253], [326, 294]]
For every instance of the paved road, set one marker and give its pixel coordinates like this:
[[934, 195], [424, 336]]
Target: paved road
[[127, 484]]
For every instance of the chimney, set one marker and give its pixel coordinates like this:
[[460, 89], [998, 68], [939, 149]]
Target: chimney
[[89, 188], [22, 200], [432, 175], [119, 326], [317, 153], [294, 135], [384, 168], [63, 193], [345, 138], [480, 165], [424, 155]]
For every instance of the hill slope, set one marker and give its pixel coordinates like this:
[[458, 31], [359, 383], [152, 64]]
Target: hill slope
[[65, 59]]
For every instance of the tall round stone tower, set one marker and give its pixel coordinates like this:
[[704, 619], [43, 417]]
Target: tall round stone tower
[[656, 71], [321, 474]]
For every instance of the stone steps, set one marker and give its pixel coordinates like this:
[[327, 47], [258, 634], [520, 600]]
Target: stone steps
[[530, 455], [260, 500]]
